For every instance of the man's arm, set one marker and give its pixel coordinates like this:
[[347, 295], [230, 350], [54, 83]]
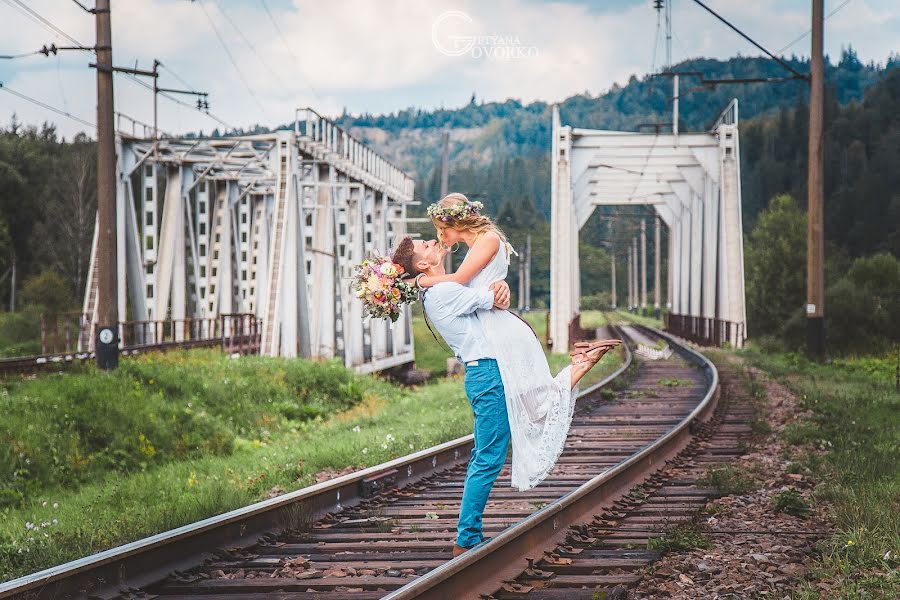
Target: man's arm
[[460, 300]]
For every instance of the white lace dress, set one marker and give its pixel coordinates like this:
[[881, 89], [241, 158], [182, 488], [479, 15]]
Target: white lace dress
[[540, 406]]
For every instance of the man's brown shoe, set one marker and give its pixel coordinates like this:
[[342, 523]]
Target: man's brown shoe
[[458, 550]]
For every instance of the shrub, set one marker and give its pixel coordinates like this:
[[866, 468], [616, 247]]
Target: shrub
[[727, 480], [157, 408], [791, 502]]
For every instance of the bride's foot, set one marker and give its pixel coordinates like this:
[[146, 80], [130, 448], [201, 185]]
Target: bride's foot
[[588, 354], [582, 348]]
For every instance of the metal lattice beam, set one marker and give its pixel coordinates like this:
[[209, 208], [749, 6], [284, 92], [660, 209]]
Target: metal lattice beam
[[693, 183], [269, 224]]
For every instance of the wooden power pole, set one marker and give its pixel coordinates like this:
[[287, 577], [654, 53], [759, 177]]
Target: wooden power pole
[[815, 239], [107, 326], [656, 250], [445, 184], [612, 285]]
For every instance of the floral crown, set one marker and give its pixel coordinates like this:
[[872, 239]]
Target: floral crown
[[379, 283], [460, 210]]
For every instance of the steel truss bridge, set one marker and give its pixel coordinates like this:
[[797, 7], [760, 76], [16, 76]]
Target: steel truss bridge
[[269, 225], [692, 180]]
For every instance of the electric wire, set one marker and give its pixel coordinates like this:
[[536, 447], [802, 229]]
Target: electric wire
[[176, 76], [15, 56], [655, 43], [290, 50], [232, 59], [38, 18], [808, 31], [253, 48], [46, 106], [50, 26], [749, 39]]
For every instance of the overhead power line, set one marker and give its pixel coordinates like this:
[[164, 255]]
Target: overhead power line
[[232, 60], [749, 39], [252, 47], [41, 20], [15, 56], [808, 31], [46, 106], [289, 49]]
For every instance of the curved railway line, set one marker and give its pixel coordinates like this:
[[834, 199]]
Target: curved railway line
[[387, 531]]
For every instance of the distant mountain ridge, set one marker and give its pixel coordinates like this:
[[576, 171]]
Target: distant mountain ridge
[[492, 138]]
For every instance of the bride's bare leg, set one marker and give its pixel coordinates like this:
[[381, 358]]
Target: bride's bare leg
[[584, 362]]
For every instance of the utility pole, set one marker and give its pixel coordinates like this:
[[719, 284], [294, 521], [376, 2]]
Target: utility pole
[[613, 280], [628, 274], [156, 64], [521, 262], [656, 263], [815, 235], [12, 286], [445, 184], [528, 273], [643, 267], [634, 271], [107, 326]]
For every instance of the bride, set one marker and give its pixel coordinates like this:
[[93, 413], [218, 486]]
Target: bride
[[539, 406]]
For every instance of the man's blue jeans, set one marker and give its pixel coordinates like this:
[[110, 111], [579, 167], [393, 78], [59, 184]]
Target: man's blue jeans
[[485, 391]]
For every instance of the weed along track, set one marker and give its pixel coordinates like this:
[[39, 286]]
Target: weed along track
[[387, 531]]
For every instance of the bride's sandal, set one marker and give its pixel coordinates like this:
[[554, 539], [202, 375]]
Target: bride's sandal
[[585, 347]]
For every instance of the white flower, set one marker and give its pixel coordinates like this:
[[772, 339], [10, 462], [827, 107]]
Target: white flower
[[55, 521], [384, 446], [56, 505], [365, 450], [389, 438], [410, 446], [355, 429], [29, 525], [44, 503]]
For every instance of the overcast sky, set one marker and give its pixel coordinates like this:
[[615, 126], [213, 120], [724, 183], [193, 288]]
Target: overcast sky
[[382, 55]]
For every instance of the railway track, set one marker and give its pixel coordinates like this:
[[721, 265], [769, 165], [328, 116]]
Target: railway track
[[387, 531]]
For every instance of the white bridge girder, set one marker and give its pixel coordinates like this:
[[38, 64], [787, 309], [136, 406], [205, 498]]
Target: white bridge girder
[[268, 224], [693, 183]]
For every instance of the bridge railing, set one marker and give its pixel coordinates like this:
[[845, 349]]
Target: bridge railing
[[706, 331], [729, 116], [325, 133], [73, 332]]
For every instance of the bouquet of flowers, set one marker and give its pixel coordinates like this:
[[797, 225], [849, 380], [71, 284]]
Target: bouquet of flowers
[[379, 285]]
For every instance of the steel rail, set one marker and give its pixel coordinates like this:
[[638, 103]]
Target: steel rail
[[487, 566], [149, 560]]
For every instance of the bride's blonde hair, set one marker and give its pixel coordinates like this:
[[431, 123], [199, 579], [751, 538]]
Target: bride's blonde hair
[[471, 220]]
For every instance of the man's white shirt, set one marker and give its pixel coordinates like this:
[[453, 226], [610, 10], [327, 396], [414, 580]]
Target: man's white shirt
[[451, 308]]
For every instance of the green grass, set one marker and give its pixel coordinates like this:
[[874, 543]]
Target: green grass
[[63, 523], [624, 315], [790, 502], [431, 355], [91, 460], [20, 333], [727, 480], [852, 444], [684, 536], [64, 430]]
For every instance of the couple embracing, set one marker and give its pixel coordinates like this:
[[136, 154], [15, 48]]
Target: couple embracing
[[508, 382]]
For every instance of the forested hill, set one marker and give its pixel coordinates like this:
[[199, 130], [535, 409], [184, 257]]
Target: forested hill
[[500, 150]]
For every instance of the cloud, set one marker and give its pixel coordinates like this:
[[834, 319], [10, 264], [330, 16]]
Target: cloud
[[378, 55]]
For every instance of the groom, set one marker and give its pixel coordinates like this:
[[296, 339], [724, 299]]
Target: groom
[[451, 308]]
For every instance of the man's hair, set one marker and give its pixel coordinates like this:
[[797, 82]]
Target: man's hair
[[405, 256]]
